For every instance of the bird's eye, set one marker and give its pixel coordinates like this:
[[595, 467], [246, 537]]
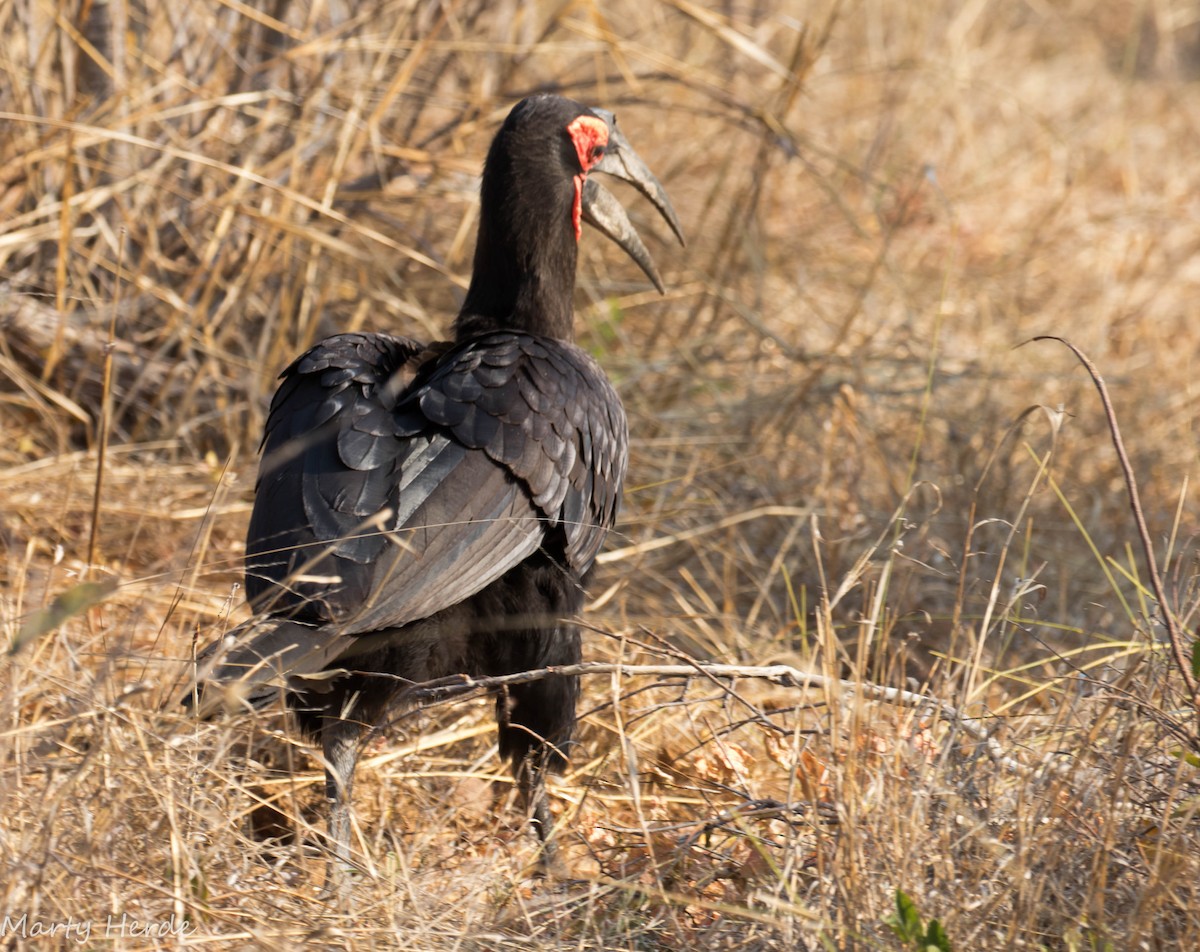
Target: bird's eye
[[597, 153]]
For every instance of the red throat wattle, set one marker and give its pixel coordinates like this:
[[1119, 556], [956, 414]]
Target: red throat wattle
[[590, 136]]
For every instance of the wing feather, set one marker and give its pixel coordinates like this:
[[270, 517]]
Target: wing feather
[[555, 424], [422, 477]]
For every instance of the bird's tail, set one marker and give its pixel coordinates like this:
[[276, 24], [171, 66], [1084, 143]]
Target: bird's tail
[[249, 666]]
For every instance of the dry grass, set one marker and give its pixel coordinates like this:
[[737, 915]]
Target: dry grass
[[883, 199]]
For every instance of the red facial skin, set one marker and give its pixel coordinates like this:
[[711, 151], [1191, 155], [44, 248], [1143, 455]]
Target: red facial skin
[[590, 136]]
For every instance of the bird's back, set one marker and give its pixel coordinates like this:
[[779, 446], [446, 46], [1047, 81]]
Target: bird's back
[[398, 480]]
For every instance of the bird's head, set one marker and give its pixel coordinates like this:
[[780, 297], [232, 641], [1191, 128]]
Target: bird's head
[[537, 189]]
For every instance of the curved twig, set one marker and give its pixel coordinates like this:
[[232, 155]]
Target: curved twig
[[1177, 646]]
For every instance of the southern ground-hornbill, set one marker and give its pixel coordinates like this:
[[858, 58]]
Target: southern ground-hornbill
[[427, 510]]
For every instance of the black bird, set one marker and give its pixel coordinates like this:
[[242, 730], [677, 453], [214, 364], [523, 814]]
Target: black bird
[[429, 510]]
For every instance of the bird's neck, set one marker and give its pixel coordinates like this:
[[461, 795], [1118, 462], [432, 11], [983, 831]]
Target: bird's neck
[[524, 272], [528, 288]]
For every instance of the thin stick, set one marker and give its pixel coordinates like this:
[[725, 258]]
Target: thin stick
[[105, 408], [442, 689], [1135, 503]]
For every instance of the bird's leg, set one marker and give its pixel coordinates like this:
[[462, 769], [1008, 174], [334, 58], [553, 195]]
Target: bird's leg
[[529, 770], [537, 720], [531, 781], [340, 747]]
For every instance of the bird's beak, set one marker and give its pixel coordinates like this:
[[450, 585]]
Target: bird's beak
[[603, 212]]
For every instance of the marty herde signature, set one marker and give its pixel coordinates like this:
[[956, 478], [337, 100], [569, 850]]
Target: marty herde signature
[[82, 930]]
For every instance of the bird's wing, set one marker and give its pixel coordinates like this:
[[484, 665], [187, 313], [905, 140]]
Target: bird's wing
[[385, 497], [513, 443], [544, 411], [328, 471]]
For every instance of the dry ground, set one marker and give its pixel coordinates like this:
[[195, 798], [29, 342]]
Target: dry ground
[[842, 461]]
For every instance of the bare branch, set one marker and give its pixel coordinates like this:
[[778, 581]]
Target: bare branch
[[1135, 503], [455, 686]]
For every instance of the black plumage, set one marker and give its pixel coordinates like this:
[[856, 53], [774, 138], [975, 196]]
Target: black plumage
[[426, 510]]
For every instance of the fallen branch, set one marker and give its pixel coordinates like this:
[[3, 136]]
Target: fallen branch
[[751, 810], [455, 686]]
